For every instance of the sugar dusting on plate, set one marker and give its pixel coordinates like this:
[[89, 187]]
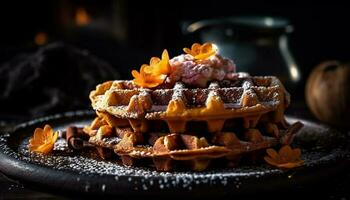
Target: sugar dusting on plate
[[143, 179]]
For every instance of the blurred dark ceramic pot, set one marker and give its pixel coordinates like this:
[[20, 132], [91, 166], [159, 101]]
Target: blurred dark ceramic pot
[[258, 45]]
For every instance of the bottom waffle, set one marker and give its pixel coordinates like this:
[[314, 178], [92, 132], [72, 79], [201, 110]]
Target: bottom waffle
[[167, 152]]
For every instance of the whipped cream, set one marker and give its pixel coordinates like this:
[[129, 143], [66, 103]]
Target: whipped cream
[[198, 73]]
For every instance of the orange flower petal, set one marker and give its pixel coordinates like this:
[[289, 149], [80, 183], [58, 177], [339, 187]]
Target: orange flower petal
[[38, 134], [48, 136], [144, 68], [162, 68], [201, 52], [159, 78], [147, 70], [286, 153], [47, 128], [139, 82], [296, 153], [135, 74], [33, 145], [284, 150], [187, 50], [196, 48], [203, 56], [270, 161], [286, 158], [154, 74], [43, 140], [207, 47], [272, 153], [165, 55], [291, 165], [45, 148], [34, 142], [154, 60]]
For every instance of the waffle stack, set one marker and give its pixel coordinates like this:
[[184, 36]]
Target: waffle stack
[[174, 126]]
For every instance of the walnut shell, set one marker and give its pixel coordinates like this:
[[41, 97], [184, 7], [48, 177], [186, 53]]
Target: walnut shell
[[328, 93]]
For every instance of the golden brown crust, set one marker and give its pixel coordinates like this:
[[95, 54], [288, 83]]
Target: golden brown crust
[[247, 97], [173, 123]]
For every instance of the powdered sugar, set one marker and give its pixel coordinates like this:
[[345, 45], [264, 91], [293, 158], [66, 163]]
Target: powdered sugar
[[86, 169], [199, 73]]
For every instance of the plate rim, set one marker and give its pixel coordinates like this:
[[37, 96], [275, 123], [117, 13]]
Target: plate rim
[[15, 168]]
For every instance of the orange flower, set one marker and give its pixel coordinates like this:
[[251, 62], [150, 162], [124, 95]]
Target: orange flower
[[43, 140], [286, 158], [201, 52], [160, 66], [153, 74]]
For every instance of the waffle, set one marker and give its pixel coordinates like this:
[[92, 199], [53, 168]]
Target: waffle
[[166, 151], [248, 99], [175, 125]]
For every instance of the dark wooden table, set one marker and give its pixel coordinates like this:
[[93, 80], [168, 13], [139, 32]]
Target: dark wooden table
[[336, 188]]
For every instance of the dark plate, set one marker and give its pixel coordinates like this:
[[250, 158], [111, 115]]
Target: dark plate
[[323, 149]]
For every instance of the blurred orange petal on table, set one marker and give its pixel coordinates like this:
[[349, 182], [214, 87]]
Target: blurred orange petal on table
[[285, 158]]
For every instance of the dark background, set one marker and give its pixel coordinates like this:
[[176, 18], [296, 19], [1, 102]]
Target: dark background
[[139, 29], [127, 33]]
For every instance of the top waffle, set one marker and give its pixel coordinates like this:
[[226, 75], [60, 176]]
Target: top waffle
[[239, 98]]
